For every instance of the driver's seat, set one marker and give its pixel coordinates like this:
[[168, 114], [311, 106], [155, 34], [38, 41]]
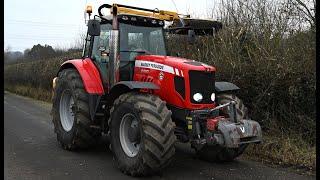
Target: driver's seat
[[126, 68]]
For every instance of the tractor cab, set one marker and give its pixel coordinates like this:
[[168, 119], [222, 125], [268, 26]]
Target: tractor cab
[[137, 36], [120, 37]]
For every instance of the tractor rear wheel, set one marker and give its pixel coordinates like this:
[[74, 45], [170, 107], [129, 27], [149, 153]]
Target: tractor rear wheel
[[141, 133], [70, 112], [222, 154]]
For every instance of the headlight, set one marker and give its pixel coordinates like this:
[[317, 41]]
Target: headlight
[[197, 97], [213, 96]]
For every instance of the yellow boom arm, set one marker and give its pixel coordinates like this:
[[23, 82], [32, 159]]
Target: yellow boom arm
[[158, 14]]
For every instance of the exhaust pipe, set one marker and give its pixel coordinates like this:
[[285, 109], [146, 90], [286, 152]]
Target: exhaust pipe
[[114, 58]]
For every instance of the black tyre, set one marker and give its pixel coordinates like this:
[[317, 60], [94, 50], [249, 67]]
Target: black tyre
[[142, 134], [242, 111], [70, 112], [222, 154]]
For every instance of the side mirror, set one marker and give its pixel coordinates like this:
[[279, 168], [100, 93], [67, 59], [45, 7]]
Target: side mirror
[[191, 36], [94, 27]]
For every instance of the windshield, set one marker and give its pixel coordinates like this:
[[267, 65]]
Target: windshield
[[136, 40]]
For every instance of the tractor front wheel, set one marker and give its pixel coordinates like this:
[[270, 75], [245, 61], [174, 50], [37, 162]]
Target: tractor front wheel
[[141, 133]]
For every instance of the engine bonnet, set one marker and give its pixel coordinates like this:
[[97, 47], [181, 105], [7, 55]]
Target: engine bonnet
[[176, 62]]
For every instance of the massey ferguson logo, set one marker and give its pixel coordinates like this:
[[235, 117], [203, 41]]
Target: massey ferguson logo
[[161, 76], [156, 66]]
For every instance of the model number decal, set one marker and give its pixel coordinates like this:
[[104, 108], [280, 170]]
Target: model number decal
[[153, 65]]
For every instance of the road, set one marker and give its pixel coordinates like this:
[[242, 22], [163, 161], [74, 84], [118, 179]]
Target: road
[[31, 151]]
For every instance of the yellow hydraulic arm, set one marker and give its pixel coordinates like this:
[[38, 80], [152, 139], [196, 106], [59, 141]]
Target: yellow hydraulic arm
[[154, 13], [179, 20]]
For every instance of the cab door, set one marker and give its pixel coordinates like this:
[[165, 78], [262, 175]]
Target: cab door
[[100, 52]]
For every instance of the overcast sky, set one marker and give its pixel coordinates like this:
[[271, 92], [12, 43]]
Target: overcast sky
[[60, 22]]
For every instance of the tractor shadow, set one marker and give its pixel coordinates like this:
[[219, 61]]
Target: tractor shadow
[[185, 164]]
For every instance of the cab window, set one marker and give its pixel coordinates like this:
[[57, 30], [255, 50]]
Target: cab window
[[101, 49]]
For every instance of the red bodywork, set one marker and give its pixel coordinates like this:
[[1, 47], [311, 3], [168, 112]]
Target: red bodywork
[[159, 70], [170, 67], [213, 123], [89, 74]]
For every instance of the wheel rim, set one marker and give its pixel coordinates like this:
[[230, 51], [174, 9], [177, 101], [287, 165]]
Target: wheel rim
[[130, 135], [66, 110]]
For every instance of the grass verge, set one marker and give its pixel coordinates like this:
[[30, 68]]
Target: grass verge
[[33, 92], [289, 151]]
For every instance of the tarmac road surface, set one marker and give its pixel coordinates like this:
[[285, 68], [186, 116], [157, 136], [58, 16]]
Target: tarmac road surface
[[31, 151]]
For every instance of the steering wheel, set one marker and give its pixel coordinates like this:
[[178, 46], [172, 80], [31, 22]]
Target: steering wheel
[[136, 49]]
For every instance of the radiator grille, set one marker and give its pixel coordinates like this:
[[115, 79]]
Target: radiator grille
[[202, 82]]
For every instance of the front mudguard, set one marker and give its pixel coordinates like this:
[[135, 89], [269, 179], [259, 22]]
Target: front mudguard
[[232, 135]]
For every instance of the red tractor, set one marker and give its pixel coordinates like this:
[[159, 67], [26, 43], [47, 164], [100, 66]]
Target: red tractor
[[128, 88]]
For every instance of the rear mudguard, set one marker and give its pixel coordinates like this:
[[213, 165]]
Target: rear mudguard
[[234, 134], [91, 80], [89, 74]]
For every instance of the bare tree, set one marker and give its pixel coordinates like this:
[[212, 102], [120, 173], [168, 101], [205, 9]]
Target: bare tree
[[308, 12]]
